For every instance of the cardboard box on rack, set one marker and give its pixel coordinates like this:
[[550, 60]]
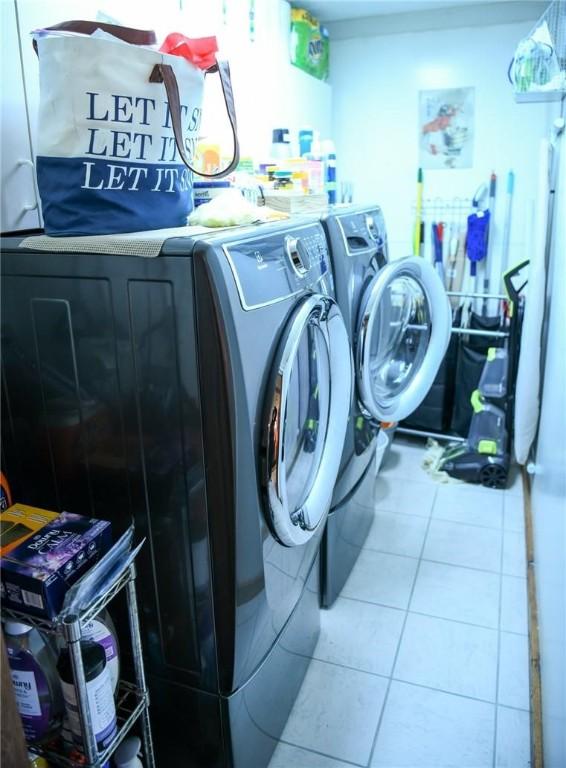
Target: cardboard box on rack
[[19, 522], [36, 575]]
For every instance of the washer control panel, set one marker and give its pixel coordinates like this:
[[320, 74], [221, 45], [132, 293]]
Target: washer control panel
[[272, 268]]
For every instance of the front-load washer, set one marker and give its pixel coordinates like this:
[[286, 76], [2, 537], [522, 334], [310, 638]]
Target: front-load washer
[[203, 393], [398, 319]]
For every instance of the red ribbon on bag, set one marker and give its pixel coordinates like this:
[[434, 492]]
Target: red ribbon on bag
[[200, 51]]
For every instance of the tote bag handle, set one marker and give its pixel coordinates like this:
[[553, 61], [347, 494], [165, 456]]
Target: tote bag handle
[[163, 73], [127, 34]]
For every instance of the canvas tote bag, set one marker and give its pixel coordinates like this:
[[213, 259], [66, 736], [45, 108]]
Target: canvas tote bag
[[118, 128]]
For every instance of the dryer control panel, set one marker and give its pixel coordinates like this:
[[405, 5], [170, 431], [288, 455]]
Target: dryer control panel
[[364, 231], [276, 266]]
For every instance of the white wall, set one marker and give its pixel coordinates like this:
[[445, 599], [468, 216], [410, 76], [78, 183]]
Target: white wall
[[270, 92], [376, 82], [549, 499]]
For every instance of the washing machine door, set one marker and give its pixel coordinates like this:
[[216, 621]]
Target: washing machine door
[[403, 332], [306, 417]]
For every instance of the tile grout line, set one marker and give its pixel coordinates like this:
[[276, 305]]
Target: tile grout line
[[446, 562], [429, 615], [470, 567], [451, 693], [322, 754], [386, 697], [393, 476], [495, 716], [442, 562], [405, 682], [348, 667], [468, 623], [369, 602], [377, 510], [383, 552]]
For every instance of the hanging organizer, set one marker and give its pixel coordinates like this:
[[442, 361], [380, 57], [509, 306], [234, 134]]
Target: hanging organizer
[[538, 69]]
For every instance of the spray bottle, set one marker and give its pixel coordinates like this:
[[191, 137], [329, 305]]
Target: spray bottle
[[315, 165]]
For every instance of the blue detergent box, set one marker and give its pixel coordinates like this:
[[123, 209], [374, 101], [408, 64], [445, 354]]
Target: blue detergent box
[[205, 191], [36, 575]]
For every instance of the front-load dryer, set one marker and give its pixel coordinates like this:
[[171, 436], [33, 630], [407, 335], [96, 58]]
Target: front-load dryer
[[203, 393], [398, 319]]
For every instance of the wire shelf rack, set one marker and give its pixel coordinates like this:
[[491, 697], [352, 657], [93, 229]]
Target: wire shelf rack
[[132, 701], [453, 209], [53, 626]]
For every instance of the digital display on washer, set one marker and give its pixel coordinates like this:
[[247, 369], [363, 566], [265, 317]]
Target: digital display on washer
[[277, 266]]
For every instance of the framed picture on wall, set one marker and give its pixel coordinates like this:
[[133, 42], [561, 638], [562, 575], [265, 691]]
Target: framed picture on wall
[[446, 128]]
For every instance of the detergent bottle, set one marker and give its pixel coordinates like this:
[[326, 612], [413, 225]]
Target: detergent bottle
[[32, 658]]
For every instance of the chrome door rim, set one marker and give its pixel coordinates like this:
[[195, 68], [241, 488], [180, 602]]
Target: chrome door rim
[[403, 404], [294, 527]]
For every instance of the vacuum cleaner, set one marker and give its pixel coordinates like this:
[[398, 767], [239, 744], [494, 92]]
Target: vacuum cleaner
[[484, 457]]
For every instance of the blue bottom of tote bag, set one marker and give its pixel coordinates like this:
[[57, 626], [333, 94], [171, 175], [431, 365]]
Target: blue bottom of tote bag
[[86, 196]]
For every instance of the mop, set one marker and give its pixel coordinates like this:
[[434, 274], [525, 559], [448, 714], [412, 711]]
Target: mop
[[476, 245], [419, 235], [456, 256], [437, 238], [503, 265], [484, 265]]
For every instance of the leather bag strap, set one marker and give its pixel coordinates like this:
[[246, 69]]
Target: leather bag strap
[[163, 73], [127, 34]]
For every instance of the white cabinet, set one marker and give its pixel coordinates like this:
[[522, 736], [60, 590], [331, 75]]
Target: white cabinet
[[19, 208]]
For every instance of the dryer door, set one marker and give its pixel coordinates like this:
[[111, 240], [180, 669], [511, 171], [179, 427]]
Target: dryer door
[[306, 418], [403, 333]]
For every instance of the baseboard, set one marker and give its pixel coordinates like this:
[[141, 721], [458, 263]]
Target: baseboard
[[537, 754]]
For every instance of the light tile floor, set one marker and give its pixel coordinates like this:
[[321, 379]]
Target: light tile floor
[[423, 660]]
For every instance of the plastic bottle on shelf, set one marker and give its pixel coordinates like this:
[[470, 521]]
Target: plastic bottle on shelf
[[329, 153], [315, 166], [32, 658], [280, 144], [306, 136], [101, 630], [99, 693], [316, 147], [127, 754]]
